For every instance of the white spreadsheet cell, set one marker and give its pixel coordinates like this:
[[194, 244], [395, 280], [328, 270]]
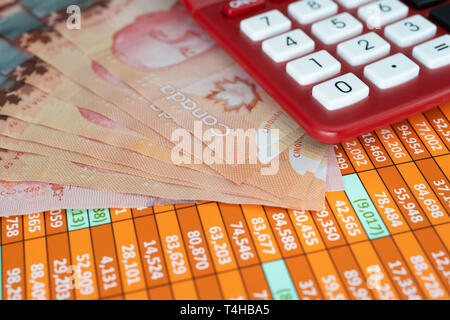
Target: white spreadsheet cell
[[288, 45], [391, 71], [435, 53], [337, 28], [340, 92], [363, 49], [313, 68], [308, 11], [265, 25]]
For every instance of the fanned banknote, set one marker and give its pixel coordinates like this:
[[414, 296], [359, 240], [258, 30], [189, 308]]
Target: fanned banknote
[[28, 196], [53, 49], [290, 178]]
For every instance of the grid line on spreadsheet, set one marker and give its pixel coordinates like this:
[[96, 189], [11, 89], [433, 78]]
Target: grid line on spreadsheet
[[188, 260], [282, 257], [231, 249], [121, 280], [406, 266], [162, 248], [347, 244], [304, 251], [50, 293], [69, 255], [251, 238], [427, 254], [116, 251], [303, 254], [94, 258], [395, 165], [331, 259], [338, 246], [141, 255], [244, 221], [63, 232]]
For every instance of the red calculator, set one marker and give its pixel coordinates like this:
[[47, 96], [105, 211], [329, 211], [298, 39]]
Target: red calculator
[[340, 68]]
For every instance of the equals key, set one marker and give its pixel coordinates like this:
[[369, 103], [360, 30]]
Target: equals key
[[435, 53], [441, 46]]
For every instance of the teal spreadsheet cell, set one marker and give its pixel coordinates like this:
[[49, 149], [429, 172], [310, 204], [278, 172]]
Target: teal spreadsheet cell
[[362, 204], [98, 217], [77, 219]]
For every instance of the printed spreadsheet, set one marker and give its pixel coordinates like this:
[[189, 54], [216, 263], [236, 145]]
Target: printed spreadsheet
[[386, 237]]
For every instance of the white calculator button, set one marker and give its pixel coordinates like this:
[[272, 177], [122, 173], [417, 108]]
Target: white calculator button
[[265, 25], [350, 4], [380, 13], [307, 11], [313, 68], [434, 53], [337, 28], [391, 71], [409, 31], [340, 92], [363, 49], [287, 46]]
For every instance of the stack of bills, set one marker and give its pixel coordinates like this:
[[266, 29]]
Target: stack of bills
[[128, 103]]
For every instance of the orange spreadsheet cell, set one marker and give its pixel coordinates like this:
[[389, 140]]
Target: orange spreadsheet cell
[[374, 271], [393, 144], [357, 155], [328, 277], [107, 264], [216, 236], [374, 148]]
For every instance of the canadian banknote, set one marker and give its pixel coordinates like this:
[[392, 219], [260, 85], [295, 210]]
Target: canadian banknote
[[287, 181], [274, 117]]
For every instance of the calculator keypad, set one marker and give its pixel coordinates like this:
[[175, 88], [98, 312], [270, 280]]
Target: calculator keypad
[[435, 53], [379, 13], [340, 92], [337, 28], [410, 31], [282, 44], [308, 11], [363, 49], [288, 46], [313, 68], [391, 71], [265, 25]]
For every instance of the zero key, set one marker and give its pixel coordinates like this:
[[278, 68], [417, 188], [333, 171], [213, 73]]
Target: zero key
[[233, 8]]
